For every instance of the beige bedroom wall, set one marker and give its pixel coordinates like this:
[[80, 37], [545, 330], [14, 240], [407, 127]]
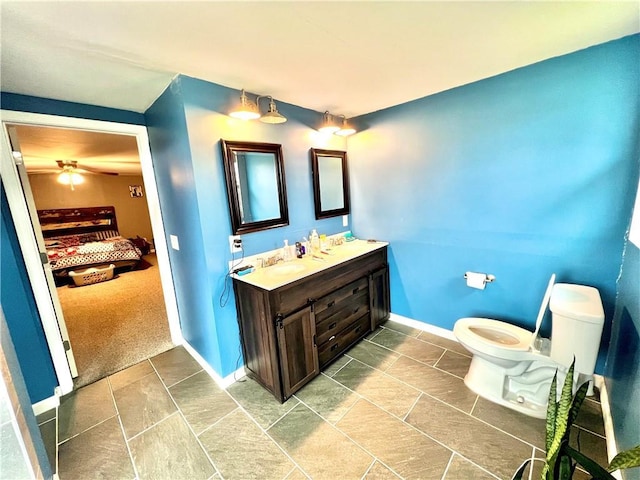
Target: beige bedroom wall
[[132, 213]]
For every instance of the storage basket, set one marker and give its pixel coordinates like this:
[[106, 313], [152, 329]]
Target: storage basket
[[92, 275]]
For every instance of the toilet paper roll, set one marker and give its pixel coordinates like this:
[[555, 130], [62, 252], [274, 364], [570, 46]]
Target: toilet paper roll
[[476, 280]]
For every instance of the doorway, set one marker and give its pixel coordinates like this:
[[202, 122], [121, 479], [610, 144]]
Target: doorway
[[22, 204]]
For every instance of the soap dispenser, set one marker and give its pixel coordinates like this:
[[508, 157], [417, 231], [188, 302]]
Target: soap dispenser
[[315, 242], [286, 252]]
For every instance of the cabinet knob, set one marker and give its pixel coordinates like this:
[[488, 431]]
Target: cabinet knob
[[331, 304], [332, 326]]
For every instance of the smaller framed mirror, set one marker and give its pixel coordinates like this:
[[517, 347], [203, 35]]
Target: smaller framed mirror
[[330, 182], [256, 186]]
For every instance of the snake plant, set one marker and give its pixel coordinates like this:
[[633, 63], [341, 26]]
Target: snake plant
[[562, 459]]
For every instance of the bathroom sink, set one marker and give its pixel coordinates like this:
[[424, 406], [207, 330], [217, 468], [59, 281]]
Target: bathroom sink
[[286, 269]]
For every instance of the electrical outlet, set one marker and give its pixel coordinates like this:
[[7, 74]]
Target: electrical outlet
[[235, 243]]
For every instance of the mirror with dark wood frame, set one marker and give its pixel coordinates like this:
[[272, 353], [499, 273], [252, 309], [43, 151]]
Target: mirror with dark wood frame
[[330, 182], [256, 186]]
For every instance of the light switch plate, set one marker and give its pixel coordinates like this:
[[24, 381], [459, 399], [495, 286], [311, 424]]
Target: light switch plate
[[174, 242], [345, 220]]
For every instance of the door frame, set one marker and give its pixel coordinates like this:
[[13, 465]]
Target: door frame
[[26, 237]]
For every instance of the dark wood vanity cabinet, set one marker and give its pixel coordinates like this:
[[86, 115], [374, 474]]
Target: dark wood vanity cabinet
[[296, 343], [291, 333]]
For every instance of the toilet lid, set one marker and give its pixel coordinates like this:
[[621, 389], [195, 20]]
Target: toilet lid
[[543, 308]]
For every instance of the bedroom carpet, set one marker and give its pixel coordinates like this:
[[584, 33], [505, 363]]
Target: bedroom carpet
[[115, 324]]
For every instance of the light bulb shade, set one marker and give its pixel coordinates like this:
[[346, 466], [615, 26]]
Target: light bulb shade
[[345, 129], [69, 177], [273, 116], [329, 124], [246, 109]]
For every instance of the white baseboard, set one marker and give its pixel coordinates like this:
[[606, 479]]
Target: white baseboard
[[441, 332], [222, 382], [47, 404], [612, 447]]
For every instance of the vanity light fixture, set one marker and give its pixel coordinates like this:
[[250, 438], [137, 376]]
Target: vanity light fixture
[[346, 129], [329, 124], [273, 115], [246, 109]]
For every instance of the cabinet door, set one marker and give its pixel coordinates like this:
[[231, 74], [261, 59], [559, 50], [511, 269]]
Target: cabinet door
[[379, 296], [298, 351]]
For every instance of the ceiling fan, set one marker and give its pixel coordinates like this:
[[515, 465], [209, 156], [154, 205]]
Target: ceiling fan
[[72, 166], [71, 176]]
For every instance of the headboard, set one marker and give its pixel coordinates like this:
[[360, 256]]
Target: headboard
[[74, 221]]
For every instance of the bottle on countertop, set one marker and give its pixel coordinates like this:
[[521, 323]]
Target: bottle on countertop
[[315, 242], [286, 252], [324, 244]]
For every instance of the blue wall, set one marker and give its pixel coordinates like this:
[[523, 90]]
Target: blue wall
[[185, 127], [23, 320], [623, 362], [520, 175]]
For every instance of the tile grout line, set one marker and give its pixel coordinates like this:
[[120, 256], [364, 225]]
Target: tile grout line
[[364, 475], [179, 411], [87, 429], [438, 399], [124, 434], [265, 432], [268, 435], [344, 434], [219, 420], [475, 402], [446, 469], [445, 403]]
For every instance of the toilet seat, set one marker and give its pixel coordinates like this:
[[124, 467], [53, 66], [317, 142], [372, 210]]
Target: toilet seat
[[493, 337]]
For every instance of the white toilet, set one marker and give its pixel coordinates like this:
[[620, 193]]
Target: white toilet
[[514, 367]]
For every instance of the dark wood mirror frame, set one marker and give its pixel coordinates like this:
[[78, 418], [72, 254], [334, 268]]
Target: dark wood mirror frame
[[229, 151], [317, 155]]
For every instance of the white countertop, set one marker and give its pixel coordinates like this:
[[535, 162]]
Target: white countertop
[[270, 278]]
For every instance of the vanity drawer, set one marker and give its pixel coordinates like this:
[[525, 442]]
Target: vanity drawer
[[331, 349], [337, 317], [334, 298]]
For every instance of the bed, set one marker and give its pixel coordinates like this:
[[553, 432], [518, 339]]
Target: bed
[[78, 238]]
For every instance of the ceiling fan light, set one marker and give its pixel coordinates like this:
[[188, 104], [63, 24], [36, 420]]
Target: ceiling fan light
[[70, 178], [246, 110]]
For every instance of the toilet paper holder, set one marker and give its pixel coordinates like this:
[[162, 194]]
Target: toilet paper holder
[[488, 278]]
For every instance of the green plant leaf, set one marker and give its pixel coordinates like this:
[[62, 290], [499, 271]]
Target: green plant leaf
[[627, 459], [561, 433], [552, 410], [595, 470], [578, 399], [565, 469]]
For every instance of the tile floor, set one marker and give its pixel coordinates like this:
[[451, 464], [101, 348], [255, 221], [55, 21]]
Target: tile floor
[[394, 406]]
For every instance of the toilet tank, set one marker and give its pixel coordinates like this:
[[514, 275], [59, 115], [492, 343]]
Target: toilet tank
[[577, 319]]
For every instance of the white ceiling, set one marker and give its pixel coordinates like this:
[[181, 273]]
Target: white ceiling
[[350, 58]]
